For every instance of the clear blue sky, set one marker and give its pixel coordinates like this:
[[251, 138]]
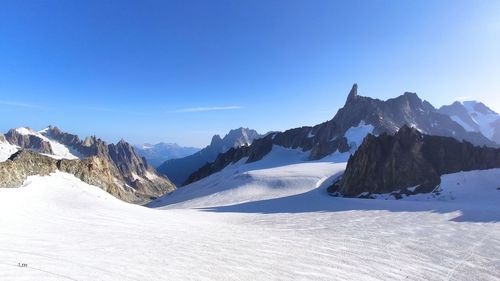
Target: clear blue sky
[[181, 71]]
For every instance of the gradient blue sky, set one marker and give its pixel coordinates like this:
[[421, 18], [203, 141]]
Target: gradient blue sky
[[181, 71]]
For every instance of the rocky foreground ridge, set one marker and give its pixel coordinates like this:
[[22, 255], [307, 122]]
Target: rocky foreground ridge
[[115, 168], [409, 162]]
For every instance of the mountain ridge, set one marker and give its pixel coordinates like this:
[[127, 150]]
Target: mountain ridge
[[409, 162], [178, 170], [157, 154], [129, 176], [357, 113], [475, 116]]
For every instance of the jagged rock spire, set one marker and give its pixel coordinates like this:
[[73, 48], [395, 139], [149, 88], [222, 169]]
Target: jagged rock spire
[[352, 94]]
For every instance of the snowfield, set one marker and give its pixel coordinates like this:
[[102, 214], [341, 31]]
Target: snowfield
[[280, 173], [6, 150], [274, 222]]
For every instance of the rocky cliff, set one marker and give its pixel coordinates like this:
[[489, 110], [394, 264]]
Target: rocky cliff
[[409, 162], [29, 141], [357, 113], [93, 170], [115, 167]]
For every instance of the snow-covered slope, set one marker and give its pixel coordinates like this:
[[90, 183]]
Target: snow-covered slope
[[6, 150], [280, 173], [355, 135], [475, 117], [60, 151], [64, 229], [472, 188], [482, 116]]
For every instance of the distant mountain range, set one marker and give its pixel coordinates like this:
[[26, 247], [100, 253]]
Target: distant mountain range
[[410, 142], [158, 153], [475, 117], [115, 168], [178, 170], [344, 133]]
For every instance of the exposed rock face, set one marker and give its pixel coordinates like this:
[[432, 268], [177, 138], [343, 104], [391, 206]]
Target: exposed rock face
[[22, 164], [326, 138], [28, 141], [408, 159], [62, 137], [178, 170], [115, 167], [92, 170]]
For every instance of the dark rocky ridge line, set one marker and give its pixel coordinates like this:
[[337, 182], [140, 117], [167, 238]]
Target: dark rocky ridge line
[[328, 137], [92, 170], [132, 179], [409, 159]]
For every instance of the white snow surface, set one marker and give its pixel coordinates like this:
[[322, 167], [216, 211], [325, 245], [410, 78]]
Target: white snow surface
[[484, 120], [60, 150], [355, 135], [460, 122], [6, 150], [65, 229], [282, 172]]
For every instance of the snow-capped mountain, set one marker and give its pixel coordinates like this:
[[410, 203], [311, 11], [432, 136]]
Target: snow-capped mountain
[[178, 170], [475, 117], [115, 167], [158, 153], [41, 142], [345, 132]]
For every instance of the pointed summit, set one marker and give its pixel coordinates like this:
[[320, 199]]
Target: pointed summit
[[352, 94]]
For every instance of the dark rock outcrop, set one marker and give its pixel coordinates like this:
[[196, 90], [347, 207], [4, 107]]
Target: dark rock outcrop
[[93, 170], [22, 164], [328, 137], [389, 163], [28, 141]]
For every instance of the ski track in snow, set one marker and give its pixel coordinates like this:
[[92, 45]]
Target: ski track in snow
[[65, 229]]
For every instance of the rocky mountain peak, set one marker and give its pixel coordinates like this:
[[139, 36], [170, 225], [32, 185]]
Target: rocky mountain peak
[[474, 116], [216, 141], [27, 138], [239, 137], [352, 94], [359, 116]]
